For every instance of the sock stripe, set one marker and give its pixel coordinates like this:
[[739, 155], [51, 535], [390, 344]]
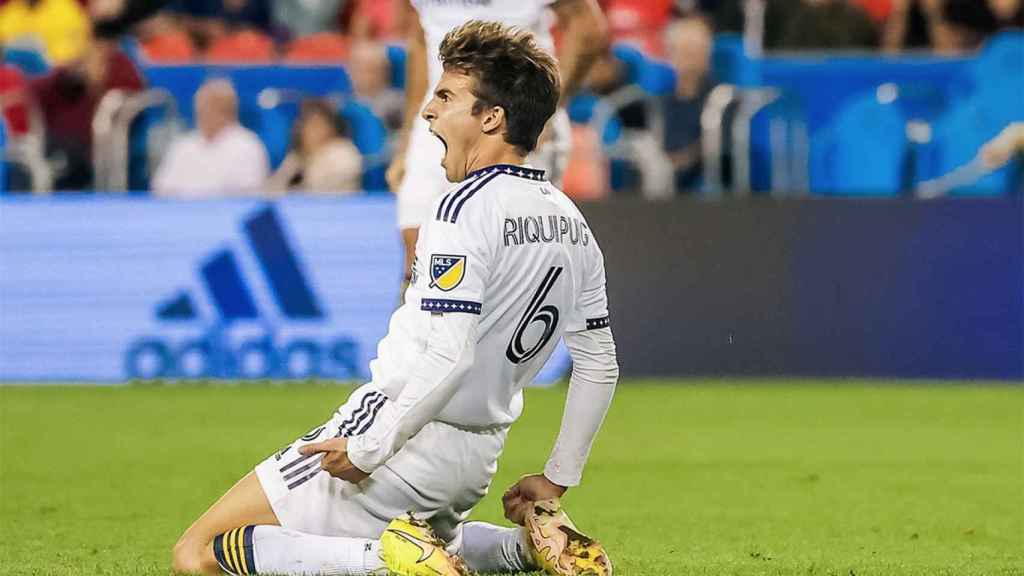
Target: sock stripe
[[232, 555], [250, 551], [218, 552], [242, 567], [239, 553]]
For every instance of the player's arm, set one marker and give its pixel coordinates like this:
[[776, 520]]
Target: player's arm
[[438, 370], [458, 258], [595, 374], [584, 39], [415, 89]]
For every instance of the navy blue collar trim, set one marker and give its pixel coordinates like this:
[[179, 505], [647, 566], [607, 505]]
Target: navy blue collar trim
[[510, 169]]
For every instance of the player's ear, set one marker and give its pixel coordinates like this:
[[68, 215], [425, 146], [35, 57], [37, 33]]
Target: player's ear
[[492, 120]]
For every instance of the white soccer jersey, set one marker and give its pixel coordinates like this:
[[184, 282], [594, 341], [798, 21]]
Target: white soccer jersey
[[506, 246], [438, 17]]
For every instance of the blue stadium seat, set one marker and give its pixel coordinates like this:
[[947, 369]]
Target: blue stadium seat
[[581, 111], [972, 121], [132, 49], [396, 57], [275, 129], [183, 81], [729, 61], [31, 62], [633, 59], [368, 133], [658, 78], [826, 84], [3, 156], [581, 107], [998, 74], [861, 152], [141, 137], [371, 138], [957, 138], [653, 76], [787, 112]]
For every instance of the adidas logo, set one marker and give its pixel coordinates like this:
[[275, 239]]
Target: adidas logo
[[238, 340], [229, 291]]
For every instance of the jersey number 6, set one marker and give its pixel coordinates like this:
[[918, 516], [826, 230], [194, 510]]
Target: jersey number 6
[[517, 352]]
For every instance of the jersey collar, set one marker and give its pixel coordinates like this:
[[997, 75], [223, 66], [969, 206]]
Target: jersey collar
[[511, 170]]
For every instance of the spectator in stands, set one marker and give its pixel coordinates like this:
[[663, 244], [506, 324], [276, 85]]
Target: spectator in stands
[[639, 22], [877, 10], [14, 106], [688, 41], [948, 26], [914, 24], [1007, 13], [805, 24], [970, 22], [370, 71], [68, 97], [607, 78], [305, 17], [14, 98], [220, 157], [376, 20], [208, 20], [322, 159], [60, 27], [828, 24]]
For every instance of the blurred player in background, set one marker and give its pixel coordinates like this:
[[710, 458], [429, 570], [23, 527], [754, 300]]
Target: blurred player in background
[[414, 174], [506, 266]]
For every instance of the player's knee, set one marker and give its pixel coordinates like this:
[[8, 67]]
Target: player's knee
[[187, 558]]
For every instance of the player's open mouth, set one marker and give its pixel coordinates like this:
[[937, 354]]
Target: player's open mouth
[[443, 143]]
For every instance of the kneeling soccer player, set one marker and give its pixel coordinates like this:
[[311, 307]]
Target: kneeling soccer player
[[505, 266]]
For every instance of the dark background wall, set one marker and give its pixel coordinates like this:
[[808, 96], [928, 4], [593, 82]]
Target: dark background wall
[[816, 287]]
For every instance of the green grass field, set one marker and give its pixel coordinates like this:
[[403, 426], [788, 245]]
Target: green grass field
[[715, 478]]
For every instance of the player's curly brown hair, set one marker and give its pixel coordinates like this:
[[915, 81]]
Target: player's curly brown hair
[[511, 72]]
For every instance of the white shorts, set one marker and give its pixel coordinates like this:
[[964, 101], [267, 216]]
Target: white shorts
[[440, 475], [424, 177]]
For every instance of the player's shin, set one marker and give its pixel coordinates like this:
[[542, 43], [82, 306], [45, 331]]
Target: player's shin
[[487, 548], [275, 550]]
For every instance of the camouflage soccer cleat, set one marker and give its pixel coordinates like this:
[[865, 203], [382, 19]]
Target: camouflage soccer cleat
[[559, 548], [409, 547]]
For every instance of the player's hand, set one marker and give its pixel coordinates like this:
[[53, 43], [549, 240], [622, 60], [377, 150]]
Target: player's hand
[[335, 461], [396, 172], [529, 489]]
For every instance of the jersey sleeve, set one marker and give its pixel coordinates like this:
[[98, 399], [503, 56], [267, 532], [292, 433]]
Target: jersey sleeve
[[455, 257], [591, 311]]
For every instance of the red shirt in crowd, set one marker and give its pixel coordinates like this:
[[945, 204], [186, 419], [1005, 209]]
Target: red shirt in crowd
[[14, 98], [879, 10], [68, 103], [638, 21]]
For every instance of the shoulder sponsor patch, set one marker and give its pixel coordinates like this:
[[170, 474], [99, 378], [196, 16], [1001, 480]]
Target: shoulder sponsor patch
[[447, 271]]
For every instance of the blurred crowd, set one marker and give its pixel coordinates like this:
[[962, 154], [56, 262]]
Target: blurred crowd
[[54, 112]]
